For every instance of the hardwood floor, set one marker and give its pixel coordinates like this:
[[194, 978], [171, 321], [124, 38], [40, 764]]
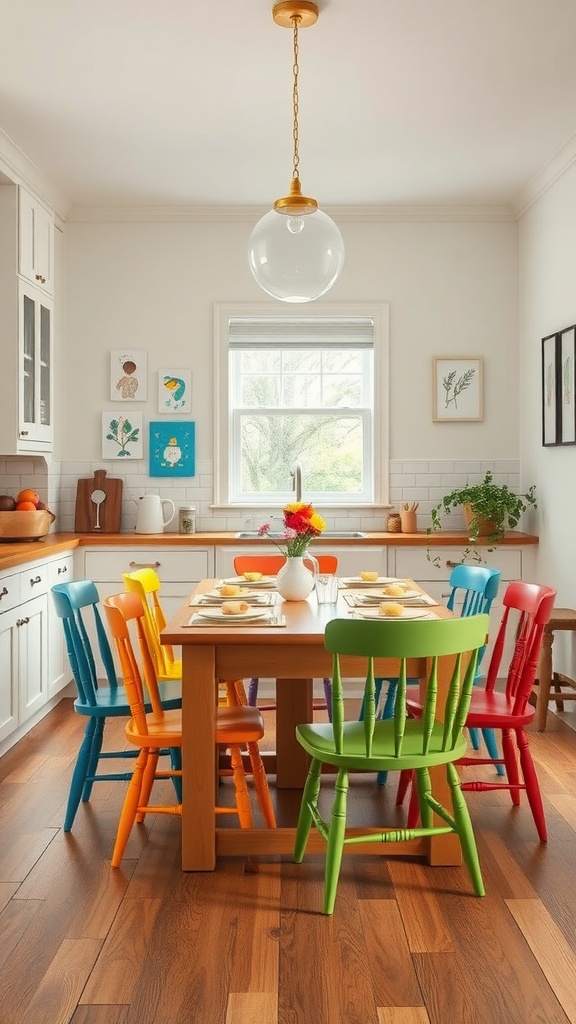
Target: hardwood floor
[[247, 944]]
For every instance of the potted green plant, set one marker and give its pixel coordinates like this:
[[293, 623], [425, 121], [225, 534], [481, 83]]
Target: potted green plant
[[489, 509]]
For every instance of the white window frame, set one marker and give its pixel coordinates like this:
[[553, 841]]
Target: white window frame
[[223, 414]]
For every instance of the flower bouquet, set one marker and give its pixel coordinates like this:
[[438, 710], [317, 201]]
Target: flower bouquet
[[301, 525]]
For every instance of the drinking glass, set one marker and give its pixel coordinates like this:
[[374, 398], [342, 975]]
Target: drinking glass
[[327, 588]]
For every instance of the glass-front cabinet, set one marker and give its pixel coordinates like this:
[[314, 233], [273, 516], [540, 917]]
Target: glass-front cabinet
[[36, 372]]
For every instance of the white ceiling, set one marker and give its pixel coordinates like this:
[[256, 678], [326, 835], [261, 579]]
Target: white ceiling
[[137, 102]]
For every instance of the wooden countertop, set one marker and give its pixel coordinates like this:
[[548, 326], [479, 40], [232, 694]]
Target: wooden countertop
[[14, 554]]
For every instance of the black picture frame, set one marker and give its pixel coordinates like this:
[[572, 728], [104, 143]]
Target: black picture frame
[[566, 386], [550, 393]]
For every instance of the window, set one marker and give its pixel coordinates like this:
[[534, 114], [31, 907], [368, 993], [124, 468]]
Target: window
[[306, 388]]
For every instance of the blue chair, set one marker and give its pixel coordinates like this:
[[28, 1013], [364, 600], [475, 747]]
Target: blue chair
[[473, 588], [97, 702]]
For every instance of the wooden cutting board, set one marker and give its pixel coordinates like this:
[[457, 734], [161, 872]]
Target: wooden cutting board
[[108, 513]]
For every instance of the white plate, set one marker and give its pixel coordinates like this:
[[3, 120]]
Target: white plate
[[266, 581], [216, 614], [357, 581], [379, 595], [231, 597], [408, 613]]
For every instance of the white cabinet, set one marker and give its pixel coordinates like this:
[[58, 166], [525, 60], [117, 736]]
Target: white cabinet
[[351, 559], [26, 344], [35, 242], [23, 646], [59, 672]]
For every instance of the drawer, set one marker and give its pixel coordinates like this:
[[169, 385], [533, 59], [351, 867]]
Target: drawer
[[413, 563], [60, 571], [9, 592], [178, 565], [34, 582]]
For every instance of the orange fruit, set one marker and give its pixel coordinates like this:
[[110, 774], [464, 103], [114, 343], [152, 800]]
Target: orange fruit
[[28, 495], [25, 506]]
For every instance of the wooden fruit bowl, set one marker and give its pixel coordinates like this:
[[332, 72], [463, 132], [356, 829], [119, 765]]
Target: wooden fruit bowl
[[25, 525]]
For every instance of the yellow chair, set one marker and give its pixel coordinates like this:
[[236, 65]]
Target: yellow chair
[[146, 584], [237, 726]]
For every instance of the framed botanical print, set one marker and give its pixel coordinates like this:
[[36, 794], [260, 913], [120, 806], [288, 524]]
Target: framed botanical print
[[566, 381], [550, 390], [122, 435], [457, 389]]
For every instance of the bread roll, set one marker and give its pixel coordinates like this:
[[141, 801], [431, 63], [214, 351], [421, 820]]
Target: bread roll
[[391, 609], [235, 607], [369, 576], [394, 589], [252, 577], [230, 590]]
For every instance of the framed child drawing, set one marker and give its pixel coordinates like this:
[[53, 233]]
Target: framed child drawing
[[172, 448], [128, 375]]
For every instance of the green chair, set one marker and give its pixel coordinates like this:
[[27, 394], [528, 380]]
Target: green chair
[[396, 743]]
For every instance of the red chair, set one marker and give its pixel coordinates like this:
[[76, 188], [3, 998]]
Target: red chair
[[527, 610]]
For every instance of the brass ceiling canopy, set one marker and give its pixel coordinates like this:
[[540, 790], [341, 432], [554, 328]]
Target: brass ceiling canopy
[[285, 12]]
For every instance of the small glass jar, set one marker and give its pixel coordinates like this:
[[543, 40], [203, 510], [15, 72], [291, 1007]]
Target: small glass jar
[[187, 519]]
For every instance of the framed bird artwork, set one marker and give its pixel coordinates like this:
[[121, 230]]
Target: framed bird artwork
[[175, 391], [172, 448]]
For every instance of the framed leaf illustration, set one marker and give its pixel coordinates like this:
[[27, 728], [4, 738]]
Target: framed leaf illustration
[[457, 385], [122, 435], [172, 448]]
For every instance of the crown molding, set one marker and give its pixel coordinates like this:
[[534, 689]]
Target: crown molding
[[19, 169], [250, 214], [545, 178]]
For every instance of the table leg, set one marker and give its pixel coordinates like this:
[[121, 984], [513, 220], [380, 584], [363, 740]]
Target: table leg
[[544, 680], [293, 707], [198, 758]]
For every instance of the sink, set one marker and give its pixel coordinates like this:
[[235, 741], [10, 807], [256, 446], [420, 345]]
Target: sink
[[279, 534]]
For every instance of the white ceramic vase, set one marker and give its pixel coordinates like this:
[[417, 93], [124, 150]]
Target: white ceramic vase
[[295, 581]]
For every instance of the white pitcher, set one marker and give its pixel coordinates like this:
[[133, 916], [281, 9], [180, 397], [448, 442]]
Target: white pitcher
[[151, 517]]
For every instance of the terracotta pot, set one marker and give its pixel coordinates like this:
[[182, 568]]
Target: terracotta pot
[[486, 527]]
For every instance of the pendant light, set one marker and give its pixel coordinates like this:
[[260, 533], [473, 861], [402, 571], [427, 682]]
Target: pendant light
[[296, 252]]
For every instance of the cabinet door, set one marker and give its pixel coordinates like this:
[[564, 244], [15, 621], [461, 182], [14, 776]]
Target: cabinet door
[[32, 625], [59, 672], [36, 242], [35, 370], [9, 676]]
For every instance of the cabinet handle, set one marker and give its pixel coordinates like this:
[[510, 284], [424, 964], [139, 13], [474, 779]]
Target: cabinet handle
[[23, 622], [40, 278], [3, 593], [23, 433], [452, 565], [37, 579], [145, 565], [63, 568]]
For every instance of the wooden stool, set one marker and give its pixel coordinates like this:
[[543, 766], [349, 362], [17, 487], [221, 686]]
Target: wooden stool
[[561, 618]]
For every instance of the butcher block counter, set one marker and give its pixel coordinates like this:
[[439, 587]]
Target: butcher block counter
[[12, 554]]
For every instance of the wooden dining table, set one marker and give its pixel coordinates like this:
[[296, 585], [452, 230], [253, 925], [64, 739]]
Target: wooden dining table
[[294, 655]]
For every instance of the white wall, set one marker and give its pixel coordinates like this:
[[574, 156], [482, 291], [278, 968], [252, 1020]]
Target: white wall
[[451, 285], [547, 272]]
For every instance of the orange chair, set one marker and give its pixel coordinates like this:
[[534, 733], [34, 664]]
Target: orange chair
[[237, 726], [269, 565]]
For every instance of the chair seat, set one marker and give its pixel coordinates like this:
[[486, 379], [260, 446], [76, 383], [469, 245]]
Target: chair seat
[[488, 710], [163, 730], [113, 702], [240, 724], [318, 741]]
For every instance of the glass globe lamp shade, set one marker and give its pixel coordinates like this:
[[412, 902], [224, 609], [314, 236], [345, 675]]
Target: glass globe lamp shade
[[296, 258]]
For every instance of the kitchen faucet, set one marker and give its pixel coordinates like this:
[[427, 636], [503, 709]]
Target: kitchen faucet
[[296, 474]]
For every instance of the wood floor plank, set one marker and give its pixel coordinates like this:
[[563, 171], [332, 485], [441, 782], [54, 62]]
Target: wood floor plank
[[500, 868], [565, 804], [100, 1015], [393, 978], [402, 1015], [255, 966], [117, 969], [249, 1007], [7, 890], [14, 922], [556, 958], [418, 906], [19, 853], [57, 995]]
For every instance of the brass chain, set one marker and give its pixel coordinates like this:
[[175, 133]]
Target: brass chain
[[295, 70]]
